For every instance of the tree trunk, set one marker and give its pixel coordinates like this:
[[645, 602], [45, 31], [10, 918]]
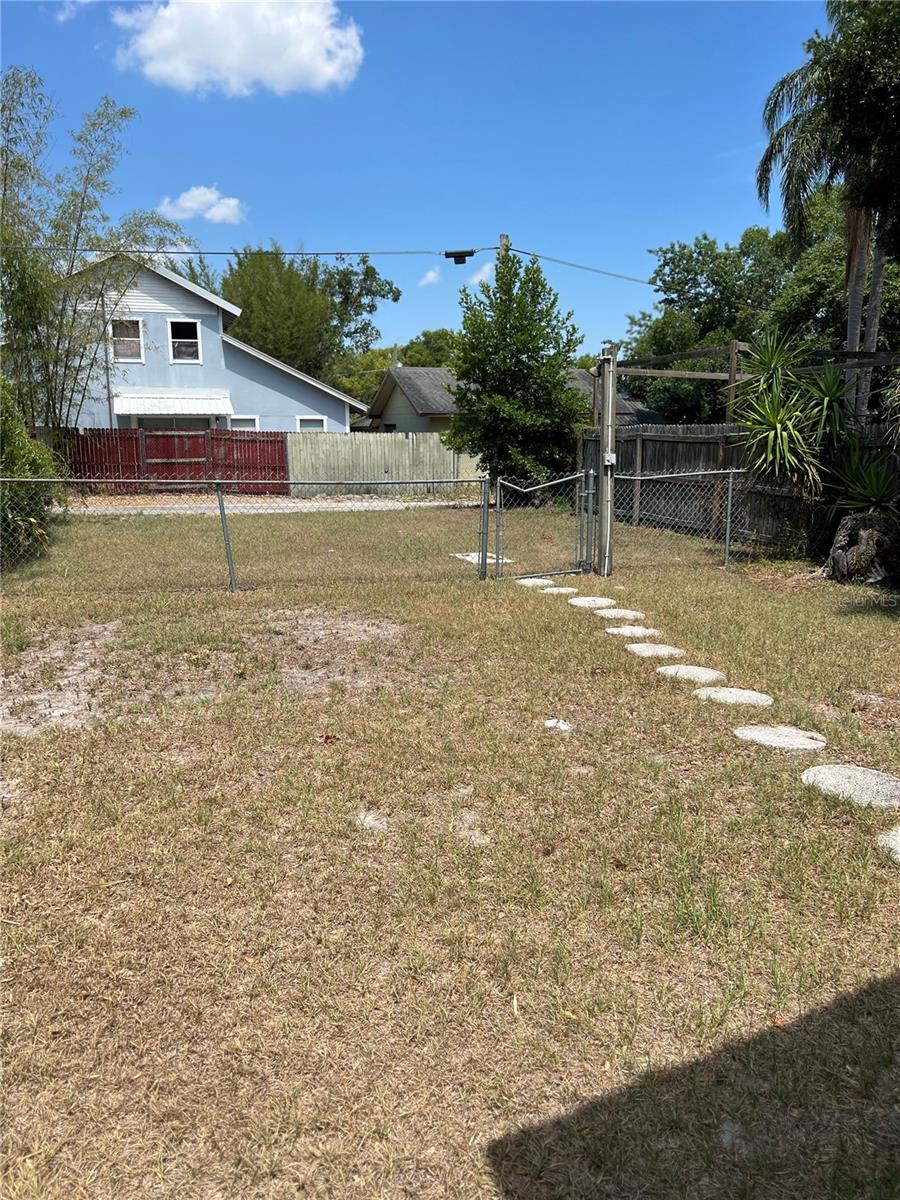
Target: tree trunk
[[873, 316], [857, 257], [865, 550]]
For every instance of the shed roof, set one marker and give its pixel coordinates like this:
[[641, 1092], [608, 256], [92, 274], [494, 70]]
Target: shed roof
[[426, 389]]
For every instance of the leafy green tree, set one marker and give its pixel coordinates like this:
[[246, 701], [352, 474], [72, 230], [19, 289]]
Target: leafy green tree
[[360, 375], [63, 269], [515, 407], [430, 348], [308, 313], [25, 507]]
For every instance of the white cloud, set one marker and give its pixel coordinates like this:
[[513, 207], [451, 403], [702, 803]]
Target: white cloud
[[432, 275], [484, 274], [205, 202], [68, 8], [224, 46]]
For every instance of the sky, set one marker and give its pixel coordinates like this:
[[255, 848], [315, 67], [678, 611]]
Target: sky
[[585, 131]]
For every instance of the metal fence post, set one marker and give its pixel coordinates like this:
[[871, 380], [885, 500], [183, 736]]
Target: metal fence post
[[484, 532], [232, 580], [588, 564], [498, 529], [728, 503]]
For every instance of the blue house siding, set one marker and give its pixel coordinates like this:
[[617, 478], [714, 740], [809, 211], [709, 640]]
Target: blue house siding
[[256, 387]]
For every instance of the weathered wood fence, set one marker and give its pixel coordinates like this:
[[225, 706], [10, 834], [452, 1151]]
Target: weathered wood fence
[[374, 457]]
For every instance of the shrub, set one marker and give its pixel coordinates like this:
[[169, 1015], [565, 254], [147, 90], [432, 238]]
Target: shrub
[[25, 508]]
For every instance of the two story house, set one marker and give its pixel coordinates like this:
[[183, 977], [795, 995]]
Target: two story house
[[170, 364]]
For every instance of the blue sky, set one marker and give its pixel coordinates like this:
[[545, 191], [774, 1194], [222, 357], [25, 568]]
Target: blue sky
[[587, 131]]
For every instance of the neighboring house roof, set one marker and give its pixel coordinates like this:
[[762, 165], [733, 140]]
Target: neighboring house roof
[[426, 389], [280, 366]]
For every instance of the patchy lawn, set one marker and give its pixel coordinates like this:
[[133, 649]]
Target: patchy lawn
[[303, 899]]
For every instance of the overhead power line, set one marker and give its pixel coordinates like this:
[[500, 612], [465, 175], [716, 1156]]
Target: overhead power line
[[564, 262]]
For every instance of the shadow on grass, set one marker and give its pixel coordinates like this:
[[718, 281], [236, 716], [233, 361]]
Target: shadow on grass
[[808, 1111]]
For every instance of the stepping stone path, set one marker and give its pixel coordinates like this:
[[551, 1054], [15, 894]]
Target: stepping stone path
[[730, 695], [654, 650], [781, 737], [890, 842], [592, 602], [693, 674], [859, 785]]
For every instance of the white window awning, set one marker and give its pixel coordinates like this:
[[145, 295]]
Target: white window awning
[[188, 402]]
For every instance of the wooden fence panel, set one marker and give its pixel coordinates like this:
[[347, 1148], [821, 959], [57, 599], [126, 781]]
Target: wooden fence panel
[[371, 457]]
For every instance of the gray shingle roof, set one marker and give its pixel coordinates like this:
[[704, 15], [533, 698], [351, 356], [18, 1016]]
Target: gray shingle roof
[[426, 390]]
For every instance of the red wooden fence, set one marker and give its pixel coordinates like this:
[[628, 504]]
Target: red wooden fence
[[156, 456]]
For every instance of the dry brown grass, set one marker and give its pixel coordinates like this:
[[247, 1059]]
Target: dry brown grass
[[221, 984]]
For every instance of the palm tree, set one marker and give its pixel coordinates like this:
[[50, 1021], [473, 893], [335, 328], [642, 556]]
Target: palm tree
[[804, 147]]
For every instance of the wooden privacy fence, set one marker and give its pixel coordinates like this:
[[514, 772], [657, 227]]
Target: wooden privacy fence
[[675, 477], [262, 462], [155, 456], [373, 457]]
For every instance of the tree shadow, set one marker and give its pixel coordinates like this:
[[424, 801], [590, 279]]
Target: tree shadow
[[807, 1111]]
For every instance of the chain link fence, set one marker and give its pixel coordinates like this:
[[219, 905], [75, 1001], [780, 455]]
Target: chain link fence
[[544, 528], [704, 517], [131, 535]]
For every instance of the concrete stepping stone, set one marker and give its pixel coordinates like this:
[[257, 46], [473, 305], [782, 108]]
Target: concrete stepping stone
[[631, 631], [781, 737], [691, 673], [534, 583], [890, 843], [654, 650], [859, 785], [559, 591], [372, 821], [593, 602], [558, 724], [733, 695], [619, 614]]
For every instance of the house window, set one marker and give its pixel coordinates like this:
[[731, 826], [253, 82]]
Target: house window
[[310, 424], [184, 341], [244, 423], [127, 341]]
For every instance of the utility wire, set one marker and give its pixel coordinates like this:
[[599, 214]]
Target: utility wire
[[564, 262]]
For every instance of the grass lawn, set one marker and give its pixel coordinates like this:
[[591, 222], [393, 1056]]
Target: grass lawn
[[303, 900]]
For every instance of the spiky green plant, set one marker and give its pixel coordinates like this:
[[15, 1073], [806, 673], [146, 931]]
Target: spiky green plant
[[864, 482]]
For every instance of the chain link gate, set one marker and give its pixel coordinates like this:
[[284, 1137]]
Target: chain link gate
[[545, 528]]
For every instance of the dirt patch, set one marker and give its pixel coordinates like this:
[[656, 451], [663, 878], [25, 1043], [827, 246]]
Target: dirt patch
[[58, 681], [72, 678]]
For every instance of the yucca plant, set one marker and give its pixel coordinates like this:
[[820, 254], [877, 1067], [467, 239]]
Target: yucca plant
[[864, 483]]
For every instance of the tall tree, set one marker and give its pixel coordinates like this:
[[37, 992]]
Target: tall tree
[[515, 407], [63, 263], [826, 122], [430, 348], [305, 312]]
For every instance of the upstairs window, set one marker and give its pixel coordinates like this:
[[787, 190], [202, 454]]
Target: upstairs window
[[127, 342], [184, 341]]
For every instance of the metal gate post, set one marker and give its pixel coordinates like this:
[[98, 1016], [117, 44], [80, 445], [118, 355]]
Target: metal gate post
[[728, 504], [484, 531], [226, 538], [606, 366], [498, 529], [588, 563]]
